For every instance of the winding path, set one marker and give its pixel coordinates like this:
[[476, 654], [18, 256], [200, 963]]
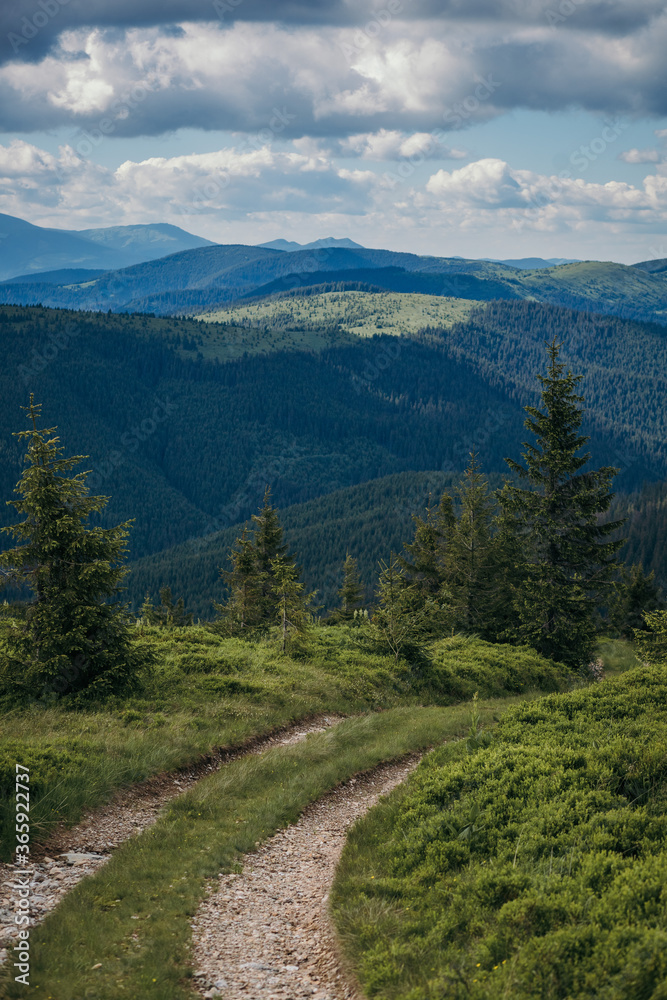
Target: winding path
[[265, 934], [71, 854]]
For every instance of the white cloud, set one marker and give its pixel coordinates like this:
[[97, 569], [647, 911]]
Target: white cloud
[[391, 145], [487, 182], [640, 156], [411, 76], [242, 194]]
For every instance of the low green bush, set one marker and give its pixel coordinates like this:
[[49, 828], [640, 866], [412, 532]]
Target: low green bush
[[461, 665], [535, 867]]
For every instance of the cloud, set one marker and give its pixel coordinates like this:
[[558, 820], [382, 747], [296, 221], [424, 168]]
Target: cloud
[[640, 156], [487, 182], [248, 180], [390, 145], [490, 187], [227, 184], [337, 80], [30, 28]]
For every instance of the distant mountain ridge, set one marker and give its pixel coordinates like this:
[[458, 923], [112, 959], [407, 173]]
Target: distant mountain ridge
[[192, 282], [290, 246], [534, 263], [26, 248]]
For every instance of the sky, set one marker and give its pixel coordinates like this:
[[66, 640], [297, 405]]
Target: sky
[[480, 128]]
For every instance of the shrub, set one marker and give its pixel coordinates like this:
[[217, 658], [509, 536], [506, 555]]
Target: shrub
[[557, 890]]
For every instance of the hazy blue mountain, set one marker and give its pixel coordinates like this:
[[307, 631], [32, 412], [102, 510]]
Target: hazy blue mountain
[[62, 276], [534, 263], [653, 266], [290, 246], [27, 249], [145, 242], [196, 281]]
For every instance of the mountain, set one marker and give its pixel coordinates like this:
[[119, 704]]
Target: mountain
[[290, 246], [185, 423], [653, 266], [196, 281], [148, 242], [61, 276], [533, 263], [25, 248]]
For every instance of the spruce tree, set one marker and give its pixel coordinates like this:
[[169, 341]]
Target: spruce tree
[[241, 615], [636, 593], [292, 608], [352, 591], [76, 635], [426, 563], [403, 619], [268, 546], [472, 562], [169, 613], [569, 559]]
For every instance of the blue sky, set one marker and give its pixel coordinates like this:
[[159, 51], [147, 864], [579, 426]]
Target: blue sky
[[499, 128]]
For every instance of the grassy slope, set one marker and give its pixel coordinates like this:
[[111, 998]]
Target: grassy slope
[[210, 692], [359, 313], [604, 286], [133, 917], [533, 868]]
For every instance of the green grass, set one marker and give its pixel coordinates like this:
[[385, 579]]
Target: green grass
[[134, 915], [209, 692], [533, 868], [360, 314], [618, 655]]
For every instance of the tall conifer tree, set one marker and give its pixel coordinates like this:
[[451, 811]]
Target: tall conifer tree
[[292, 607], [76, 634], [268, 545], [569, 556], [352, 591], [241, 615], [471, 557], [426, 563]]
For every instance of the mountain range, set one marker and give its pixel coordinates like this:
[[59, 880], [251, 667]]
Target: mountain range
[[25, 248], [195, 281]]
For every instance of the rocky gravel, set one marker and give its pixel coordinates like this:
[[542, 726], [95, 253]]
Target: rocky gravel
[[265, 934], [70, 855]]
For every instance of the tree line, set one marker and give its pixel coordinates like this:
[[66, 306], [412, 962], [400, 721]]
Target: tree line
[[533, 563]]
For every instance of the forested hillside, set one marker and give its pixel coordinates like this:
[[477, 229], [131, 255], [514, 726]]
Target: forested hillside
[[369, 521], [185, 423]]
